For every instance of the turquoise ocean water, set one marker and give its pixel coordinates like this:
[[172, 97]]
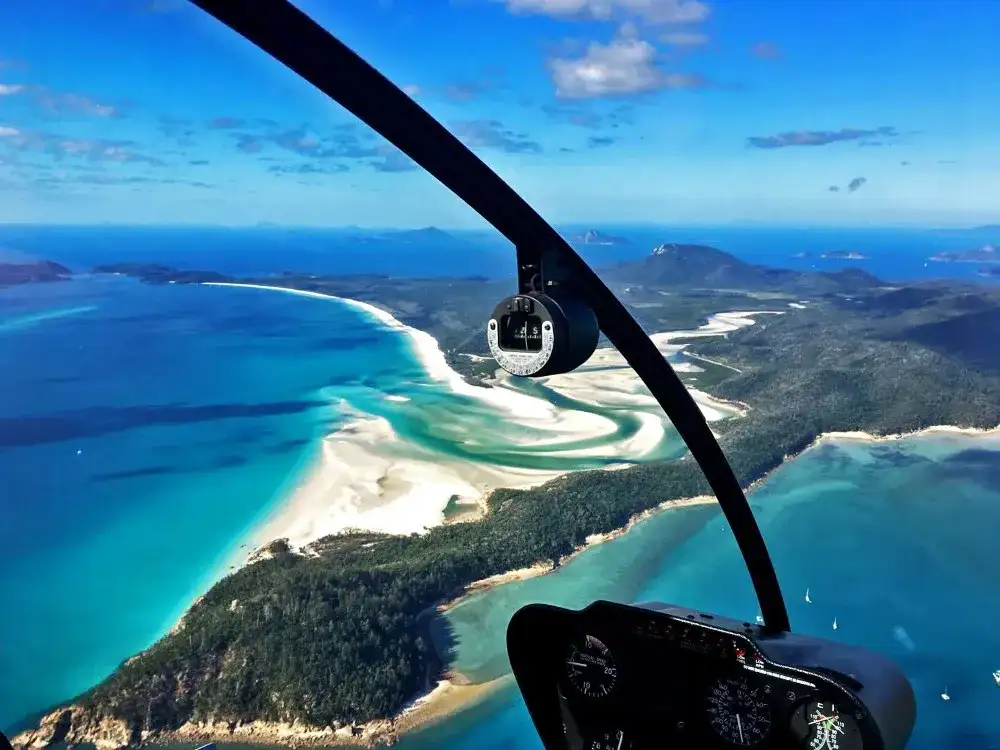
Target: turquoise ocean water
[[896, 540], [145, 431]]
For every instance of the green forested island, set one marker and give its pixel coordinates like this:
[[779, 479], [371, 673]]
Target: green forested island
[[338, 638]]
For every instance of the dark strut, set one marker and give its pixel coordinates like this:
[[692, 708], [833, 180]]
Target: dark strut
[[294, 39]]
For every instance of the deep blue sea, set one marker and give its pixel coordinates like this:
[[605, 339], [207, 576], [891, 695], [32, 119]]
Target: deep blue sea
[[145, 431]]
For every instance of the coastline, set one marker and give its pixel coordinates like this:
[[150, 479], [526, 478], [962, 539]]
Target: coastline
[[365, 476], [451, 695], [485, 585]]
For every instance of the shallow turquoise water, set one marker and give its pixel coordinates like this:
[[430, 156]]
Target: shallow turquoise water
[[145, 431], [886, 536]]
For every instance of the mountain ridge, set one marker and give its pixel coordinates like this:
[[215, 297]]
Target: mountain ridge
[[687, 265]]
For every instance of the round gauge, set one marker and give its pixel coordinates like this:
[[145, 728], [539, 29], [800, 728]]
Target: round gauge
[[608, 739], [738, 712], [823, 726], [591, 668]]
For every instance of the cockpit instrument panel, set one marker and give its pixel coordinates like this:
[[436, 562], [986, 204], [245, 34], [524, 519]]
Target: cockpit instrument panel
[[612, 676]]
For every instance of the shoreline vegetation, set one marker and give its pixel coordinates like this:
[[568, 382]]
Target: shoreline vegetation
[[309, 624]]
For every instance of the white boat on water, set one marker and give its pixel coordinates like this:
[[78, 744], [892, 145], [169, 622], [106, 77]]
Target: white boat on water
[[808, 600], [834, 623], [945, 696], [996, 677]]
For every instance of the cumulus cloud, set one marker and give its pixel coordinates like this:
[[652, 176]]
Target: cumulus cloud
[[343, 142], [62, 103], [493, 134], [650, 11], [59, 102], [625, 66], [88, 149], [818, 137], [411, 90], [765, 50], [685, 38]]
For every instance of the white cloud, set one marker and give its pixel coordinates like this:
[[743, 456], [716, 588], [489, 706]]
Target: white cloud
[[411, 90], [685, 38], [9, 89], [8, 132], [625, 66], [651, 11]]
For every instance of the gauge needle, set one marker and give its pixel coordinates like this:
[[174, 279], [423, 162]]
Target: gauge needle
[[577, 664], [830, 722], [739, 726], [621, 739]]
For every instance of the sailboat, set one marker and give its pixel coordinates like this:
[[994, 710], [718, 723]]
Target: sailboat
[[996, 677], [944, 695], [834, 623], [808, 600]]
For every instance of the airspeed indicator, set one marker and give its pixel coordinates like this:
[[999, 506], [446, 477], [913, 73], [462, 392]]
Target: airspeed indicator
[[738, 711]]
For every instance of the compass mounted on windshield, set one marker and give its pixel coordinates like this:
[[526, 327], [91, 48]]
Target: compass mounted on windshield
[[535, 334]]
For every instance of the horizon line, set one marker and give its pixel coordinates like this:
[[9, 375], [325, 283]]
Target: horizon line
[[596, 226]]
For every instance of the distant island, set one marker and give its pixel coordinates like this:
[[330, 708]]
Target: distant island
[[984, 254], [156, 273], [248, 651], [32, 272], [844, 255], [593, 237], [423, 236]]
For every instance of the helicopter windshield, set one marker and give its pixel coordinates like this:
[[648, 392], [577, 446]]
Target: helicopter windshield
[[262, 480]]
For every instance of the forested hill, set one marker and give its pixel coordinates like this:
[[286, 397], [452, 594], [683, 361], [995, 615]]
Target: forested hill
[[336, 639]]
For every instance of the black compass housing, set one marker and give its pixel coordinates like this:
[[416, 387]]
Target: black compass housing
[[535, 334]]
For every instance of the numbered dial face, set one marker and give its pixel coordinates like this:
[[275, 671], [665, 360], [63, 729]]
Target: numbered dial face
[[823, 726], [591, 668], [610, 739], [738, 711]]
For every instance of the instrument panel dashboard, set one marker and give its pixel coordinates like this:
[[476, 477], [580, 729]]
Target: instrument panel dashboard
[[613, 677]]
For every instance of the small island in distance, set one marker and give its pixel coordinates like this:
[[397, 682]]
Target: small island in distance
[[32, 272], [593, 237], [984, 254], [844, 255]]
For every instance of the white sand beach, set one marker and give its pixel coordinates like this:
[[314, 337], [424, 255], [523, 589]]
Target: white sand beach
[[365, 476]]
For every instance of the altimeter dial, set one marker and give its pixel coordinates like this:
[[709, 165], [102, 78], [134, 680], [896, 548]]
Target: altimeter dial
[[590, 667], [738, 711], [824, 726]]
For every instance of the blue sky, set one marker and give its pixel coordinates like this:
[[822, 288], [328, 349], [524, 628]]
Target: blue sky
[[833, 112]]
